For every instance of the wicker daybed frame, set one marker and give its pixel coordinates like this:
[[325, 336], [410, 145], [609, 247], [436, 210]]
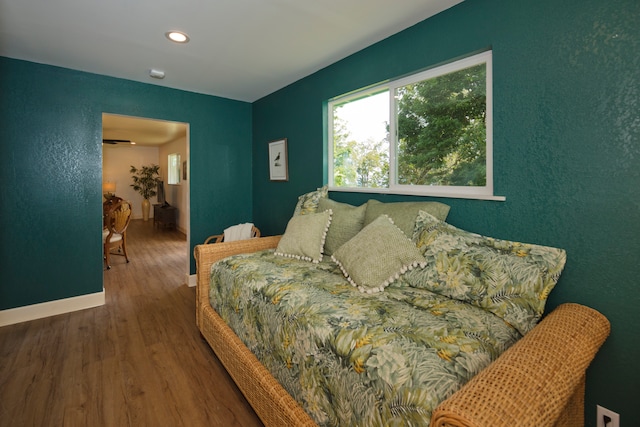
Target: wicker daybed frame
[[540, 381]]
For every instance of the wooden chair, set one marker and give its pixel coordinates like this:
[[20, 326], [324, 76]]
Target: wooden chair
[[115, 233], [218, 238], [107, 205]]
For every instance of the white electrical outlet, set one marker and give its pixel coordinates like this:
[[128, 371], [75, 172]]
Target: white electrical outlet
[[602, 412]]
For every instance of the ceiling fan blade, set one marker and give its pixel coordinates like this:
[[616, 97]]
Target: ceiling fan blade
[[115, 141]]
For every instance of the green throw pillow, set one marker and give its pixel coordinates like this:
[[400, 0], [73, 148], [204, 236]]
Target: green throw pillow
[[308, 203], [346, 222], [404, 214], [304, 237], [509, 279], [377, 256]]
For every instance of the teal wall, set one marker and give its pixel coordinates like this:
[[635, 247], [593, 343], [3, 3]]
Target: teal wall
[[566, 149], [51, 172], [567, 144]]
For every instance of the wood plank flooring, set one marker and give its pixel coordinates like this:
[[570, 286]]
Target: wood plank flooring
[[139, 360]]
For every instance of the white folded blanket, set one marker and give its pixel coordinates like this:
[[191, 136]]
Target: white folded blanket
[[238, 232]]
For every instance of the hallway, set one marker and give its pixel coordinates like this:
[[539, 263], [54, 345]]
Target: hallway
[[139, 360]]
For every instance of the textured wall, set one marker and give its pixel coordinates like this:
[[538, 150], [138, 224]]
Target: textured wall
[[51, 172], [566, 149]]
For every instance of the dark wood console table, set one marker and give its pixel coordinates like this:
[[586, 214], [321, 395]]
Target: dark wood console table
[[164, 216]]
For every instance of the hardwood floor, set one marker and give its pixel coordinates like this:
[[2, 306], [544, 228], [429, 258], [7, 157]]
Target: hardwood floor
[[139, 360]]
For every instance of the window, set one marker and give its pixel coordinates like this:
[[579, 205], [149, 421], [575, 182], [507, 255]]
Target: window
[[429, 133], [174, 169]]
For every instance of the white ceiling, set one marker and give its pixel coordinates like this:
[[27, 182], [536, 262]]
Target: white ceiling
[[239, 49], [142, 131]]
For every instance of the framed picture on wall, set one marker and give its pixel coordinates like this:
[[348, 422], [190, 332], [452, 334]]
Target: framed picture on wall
[[278, 169]]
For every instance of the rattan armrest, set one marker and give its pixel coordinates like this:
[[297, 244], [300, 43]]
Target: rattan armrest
[[216, 238], [533, 382], [207, 255]]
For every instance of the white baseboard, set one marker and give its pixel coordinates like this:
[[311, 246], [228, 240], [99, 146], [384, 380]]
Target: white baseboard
[[51, 308], [192, 280]]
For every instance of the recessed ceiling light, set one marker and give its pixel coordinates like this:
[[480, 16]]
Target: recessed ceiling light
[[177, 36]]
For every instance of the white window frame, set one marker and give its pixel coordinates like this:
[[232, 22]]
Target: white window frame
[[173, 169], [469, 192]]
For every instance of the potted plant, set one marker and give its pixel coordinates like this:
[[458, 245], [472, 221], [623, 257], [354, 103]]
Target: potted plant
[[145, 182]]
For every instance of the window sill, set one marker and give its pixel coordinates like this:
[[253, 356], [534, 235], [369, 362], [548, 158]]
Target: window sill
[[419, 193]]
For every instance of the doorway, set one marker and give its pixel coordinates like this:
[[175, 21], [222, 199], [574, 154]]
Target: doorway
[[137, 141]]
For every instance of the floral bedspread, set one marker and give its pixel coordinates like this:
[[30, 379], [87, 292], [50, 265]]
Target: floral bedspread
[[383, 359]]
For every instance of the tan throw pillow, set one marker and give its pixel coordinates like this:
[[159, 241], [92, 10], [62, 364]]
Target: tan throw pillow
[[304, 237], [377, 256], [404, 214], [346, 222]]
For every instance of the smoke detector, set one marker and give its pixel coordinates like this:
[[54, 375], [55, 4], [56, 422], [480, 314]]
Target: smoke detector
[[156, 74]]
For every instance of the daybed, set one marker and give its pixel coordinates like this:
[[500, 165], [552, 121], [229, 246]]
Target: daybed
[[270, 292]]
